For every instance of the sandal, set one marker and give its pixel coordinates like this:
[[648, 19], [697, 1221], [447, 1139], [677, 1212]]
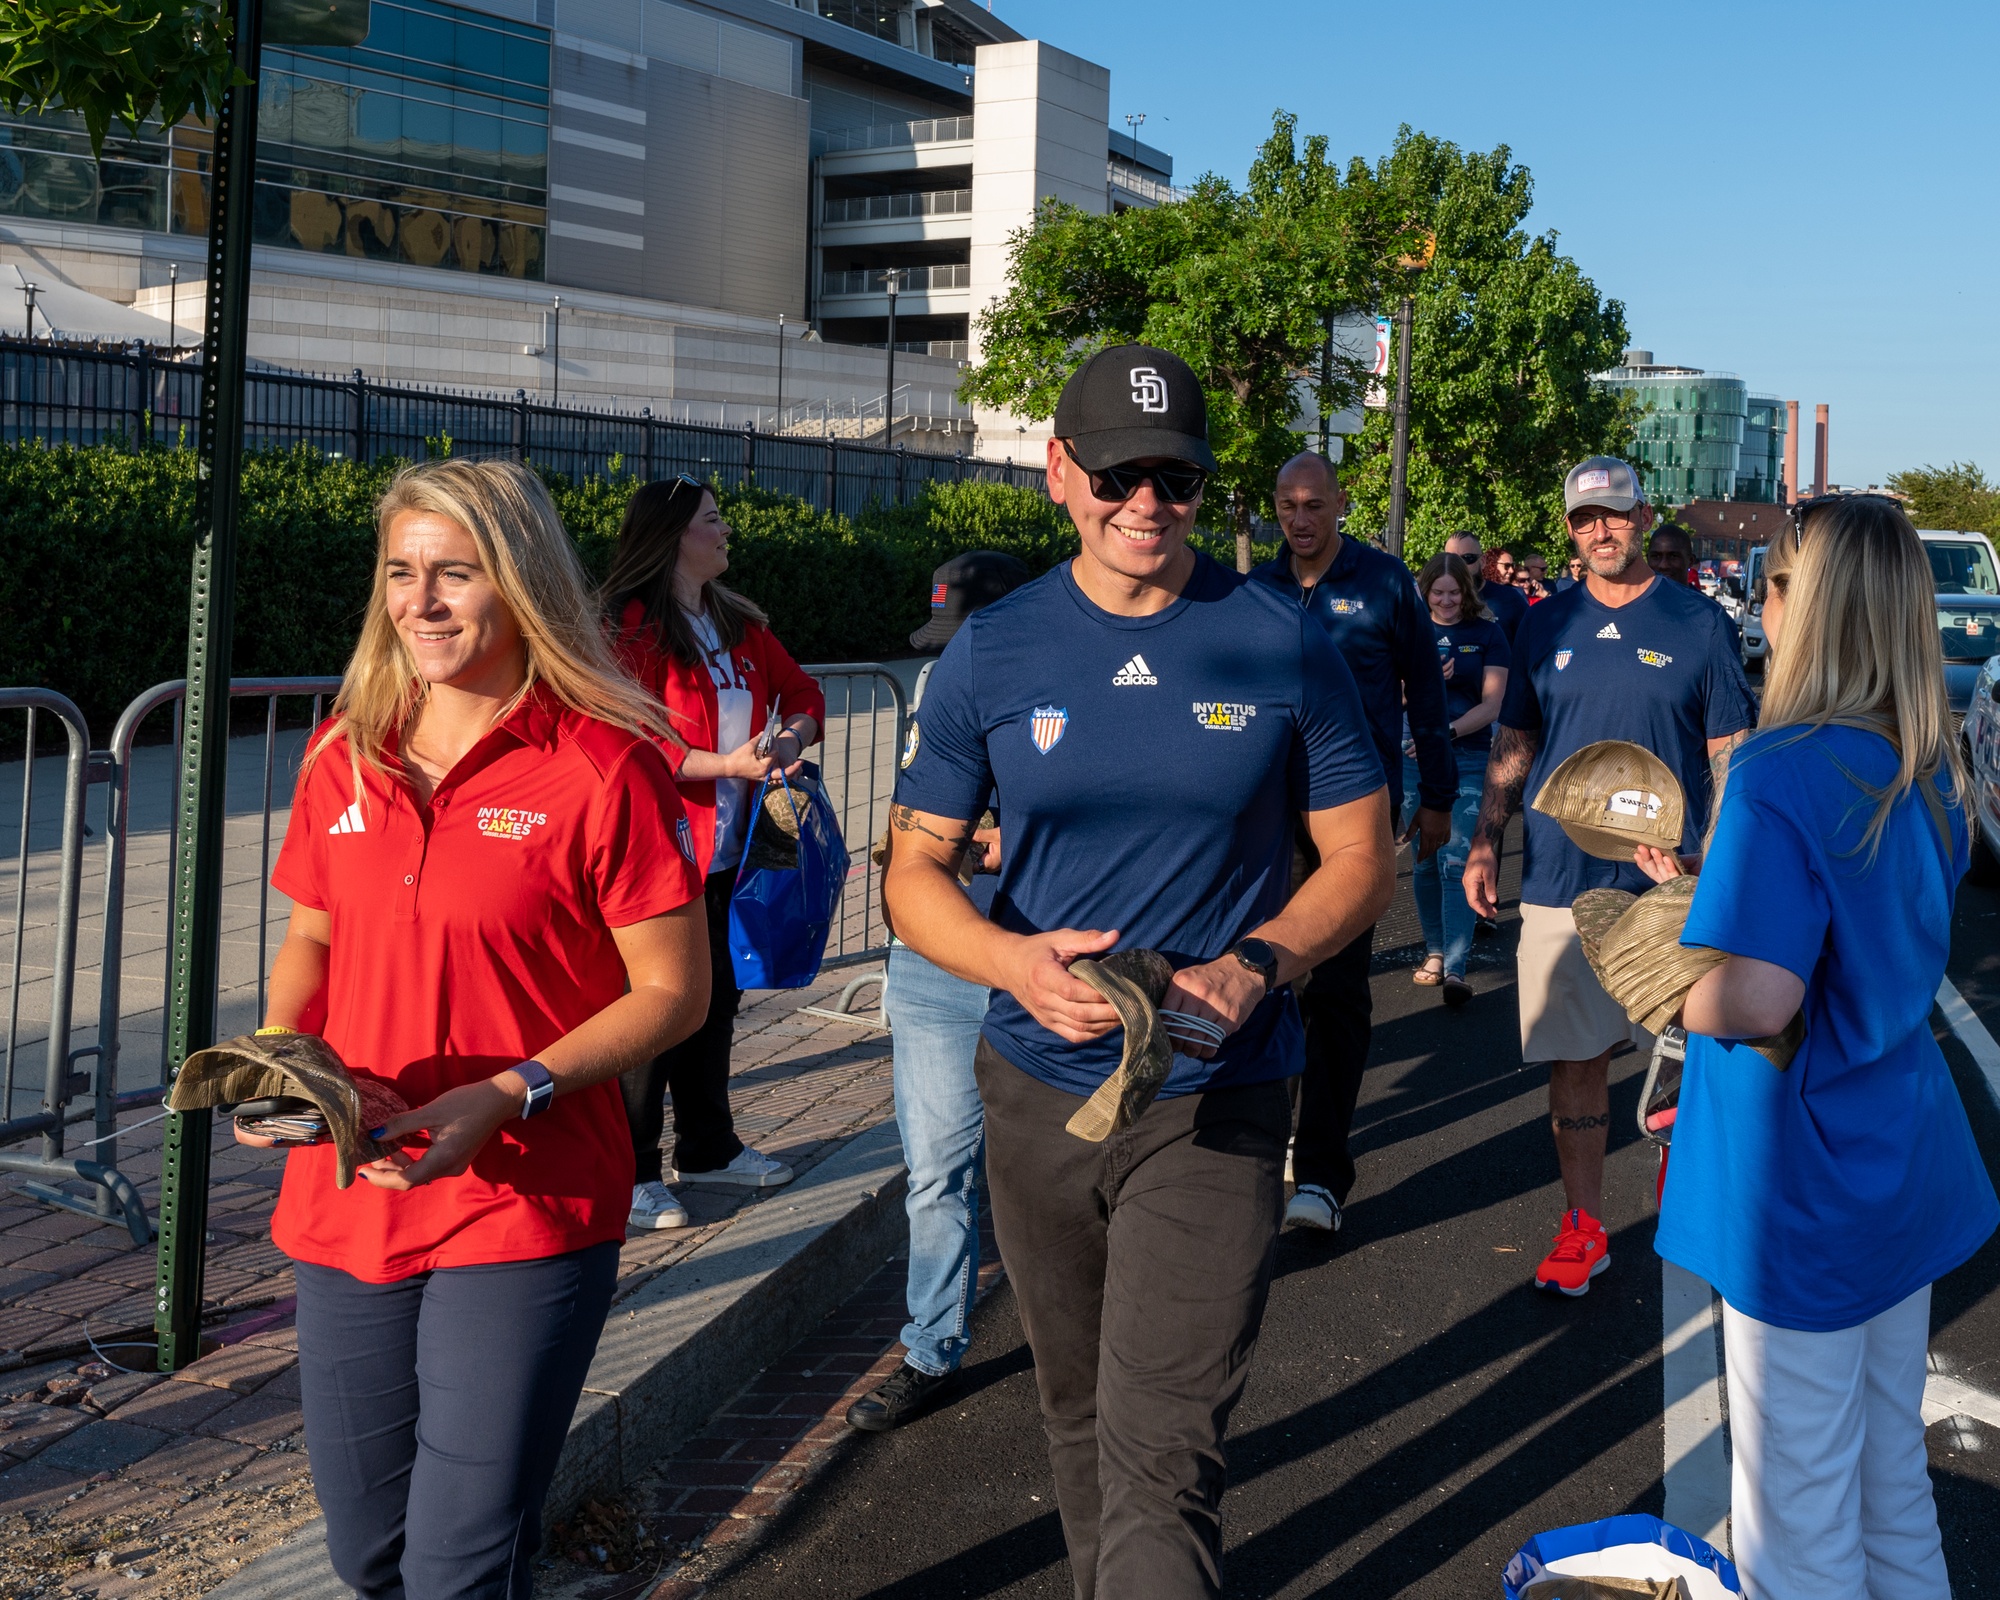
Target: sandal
[[1456, 990], [1431, 973]]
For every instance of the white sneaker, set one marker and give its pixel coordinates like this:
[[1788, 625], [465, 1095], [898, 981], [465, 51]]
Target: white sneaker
[[654, 1206], [751, 1169], [1313, 1207]]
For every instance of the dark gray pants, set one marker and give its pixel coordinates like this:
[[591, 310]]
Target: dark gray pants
[[1141, 1267]]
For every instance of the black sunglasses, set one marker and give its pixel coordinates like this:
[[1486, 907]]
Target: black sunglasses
[[1176, 481]]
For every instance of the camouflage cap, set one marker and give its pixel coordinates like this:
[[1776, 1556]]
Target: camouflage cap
[[1611, 797]]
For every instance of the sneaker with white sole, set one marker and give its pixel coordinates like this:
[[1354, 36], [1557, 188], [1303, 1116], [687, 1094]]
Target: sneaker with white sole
[[751, 1169], [1313, 1207], [654, 1206]]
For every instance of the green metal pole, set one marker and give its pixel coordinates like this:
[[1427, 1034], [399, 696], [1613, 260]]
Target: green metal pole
[[194, 942]]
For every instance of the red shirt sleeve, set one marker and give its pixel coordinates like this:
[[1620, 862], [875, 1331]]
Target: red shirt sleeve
[[299, 873], [641, 853], [793, 688]]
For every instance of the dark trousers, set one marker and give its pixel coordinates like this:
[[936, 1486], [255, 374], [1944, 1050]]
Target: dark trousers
[[1338, 1011], [1140, 1266], [435, 1410], [695, 1071]]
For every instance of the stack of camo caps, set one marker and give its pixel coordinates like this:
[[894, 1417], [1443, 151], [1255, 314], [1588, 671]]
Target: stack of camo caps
[[300, 1066], [1633, 944]]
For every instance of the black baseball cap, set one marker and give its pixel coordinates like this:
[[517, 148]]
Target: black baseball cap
[[1132, 401], [960, 587]]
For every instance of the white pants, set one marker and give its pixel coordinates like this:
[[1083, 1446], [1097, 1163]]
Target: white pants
[[1830, 1492]]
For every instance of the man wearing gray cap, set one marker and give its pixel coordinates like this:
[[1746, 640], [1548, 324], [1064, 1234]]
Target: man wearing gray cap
[[1622, 655]]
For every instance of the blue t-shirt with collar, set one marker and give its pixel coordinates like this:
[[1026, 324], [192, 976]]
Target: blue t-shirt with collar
[[1820, 1196], [1660, 671], [1368, 601], [1148, 772], [1471, 647]]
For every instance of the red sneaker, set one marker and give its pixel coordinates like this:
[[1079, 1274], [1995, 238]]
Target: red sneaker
[[1582, 1251]]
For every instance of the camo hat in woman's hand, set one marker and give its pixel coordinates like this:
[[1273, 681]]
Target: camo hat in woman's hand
[[1611, 797]]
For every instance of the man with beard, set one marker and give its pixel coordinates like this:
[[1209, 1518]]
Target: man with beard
[[1623, 655]]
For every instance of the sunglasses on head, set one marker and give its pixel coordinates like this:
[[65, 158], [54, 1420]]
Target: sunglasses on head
[[1175, 481], [1801, 509]]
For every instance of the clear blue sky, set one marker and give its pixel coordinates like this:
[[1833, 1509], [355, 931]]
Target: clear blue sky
[[1800, 194]]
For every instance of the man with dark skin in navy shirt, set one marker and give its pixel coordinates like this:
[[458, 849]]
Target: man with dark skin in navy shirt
[[1368, 602]]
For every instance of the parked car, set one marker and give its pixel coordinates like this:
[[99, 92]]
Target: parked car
[[1961, 562], [1981, 740], [1755, 647]]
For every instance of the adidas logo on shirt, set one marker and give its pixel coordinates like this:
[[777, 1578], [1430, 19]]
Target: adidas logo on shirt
[[1132, 674], [1609, 631], [351, 821]]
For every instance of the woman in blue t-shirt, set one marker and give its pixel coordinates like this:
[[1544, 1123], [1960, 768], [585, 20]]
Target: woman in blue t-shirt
[[1473, 652], [1822, 1201]]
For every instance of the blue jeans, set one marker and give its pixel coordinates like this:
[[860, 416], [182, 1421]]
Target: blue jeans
[[1439, 883], [934, 1022]]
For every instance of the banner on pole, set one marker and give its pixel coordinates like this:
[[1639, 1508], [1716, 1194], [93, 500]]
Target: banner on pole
[[1377, 397]]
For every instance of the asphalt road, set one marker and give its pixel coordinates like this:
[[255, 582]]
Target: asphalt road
[[1416, 1409]]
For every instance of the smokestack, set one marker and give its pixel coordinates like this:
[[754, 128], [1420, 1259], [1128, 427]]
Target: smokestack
[[1792, 449], [1819, 449]]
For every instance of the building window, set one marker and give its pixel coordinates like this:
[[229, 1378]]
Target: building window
[[882, 18]]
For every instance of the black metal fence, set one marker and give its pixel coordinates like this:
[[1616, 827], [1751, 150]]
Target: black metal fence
[[84, 394]]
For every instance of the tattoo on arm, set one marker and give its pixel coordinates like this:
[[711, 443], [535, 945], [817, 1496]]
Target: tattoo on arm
[[904, 820], [1580, 1124], [1506, 779]]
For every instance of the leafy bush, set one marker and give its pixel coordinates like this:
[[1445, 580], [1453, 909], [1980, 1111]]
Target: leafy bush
[[95, 547]]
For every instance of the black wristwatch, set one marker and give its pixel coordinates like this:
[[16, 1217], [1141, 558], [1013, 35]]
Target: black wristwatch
[[1260, 958]]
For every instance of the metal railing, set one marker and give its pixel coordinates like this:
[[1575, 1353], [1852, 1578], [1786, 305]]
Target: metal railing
[[1120, 176], [883, 207], [909, 280], [866, 715], [885, 136], [82, 395]]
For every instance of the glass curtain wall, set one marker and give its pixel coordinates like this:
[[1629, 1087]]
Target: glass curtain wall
[[1690, 434], [1762, 462], [427, 143]]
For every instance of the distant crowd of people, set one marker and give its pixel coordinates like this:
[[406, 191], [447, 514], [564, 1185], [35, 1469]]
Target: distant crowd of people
[[1146, 824]]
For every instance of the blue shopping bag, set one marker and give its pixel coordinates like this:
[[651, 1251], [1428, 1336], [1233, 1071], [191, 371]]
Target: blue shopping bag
[[1633, 1546], [779, 917]]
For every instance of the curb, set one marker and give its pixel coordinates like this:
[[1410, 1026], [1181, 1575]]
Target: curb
[[682, 1344]]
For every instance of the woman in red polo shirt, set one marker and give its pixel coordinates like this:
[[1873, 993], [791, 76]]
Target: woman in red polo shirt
[[492, 915], [710, 655]]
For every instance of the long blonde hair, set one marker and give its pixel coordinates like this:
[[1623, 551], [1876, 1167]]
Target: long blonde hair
[[1859, 645], [529, 556]]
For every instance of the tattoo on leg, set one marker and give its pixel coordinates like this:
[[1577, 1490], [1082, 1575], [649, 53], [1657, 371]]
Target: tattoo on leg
[[1580, 1124], [1507, 771]]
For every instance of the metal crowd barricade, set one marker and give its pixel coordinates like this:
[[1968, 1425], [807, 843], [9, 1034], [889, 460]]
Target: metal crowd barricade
[[61, 1081], [866, 716]]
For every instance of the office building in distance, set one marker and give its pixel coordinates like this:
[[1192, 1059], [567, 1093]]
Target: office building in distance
[[1703, 435]]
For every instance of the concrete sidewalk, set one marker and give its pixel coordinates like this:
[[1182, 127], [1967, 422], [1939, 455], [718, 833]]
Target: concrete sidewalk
[[127, 1484]]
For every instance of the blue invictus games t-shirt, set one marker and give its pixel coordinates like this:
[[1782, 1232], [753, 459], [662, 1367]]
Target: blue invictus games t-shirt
[[1818, 1197], [1659, 671], [1470, 648], [1148, 771], [1508, 605]]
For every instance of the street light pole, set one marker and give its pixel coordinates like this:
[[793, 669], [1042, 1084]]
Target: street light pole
[[1399, 469], [555, 354], [1325, 383], [779, 425], [889, 395], [173, 308]]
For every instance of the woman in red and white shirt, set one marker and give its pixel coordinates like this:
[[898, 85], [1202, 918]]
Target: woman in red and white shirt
[[710, 656], [492, 915]]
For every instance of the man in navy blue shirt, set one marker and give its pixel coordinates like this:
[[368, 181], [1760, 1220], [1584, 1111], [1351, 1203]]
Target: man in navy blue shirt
[[1368, 602], [1623, 655], [1152, 724], [1670, 553], [1506, 602]]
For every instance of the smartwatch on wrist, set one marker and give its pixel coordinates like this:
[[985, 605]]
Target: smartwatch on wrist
[[541, 1087], [1260, 958]]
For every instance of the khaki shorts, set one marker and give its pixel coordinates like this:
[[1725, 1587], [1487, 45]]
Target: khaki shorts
[[1565, 1013]]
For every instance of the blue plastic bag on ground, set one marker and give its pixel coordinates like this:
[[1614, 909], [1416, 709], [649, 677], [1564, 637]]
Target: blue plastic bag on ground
[[779, 917], [1633, 1546]]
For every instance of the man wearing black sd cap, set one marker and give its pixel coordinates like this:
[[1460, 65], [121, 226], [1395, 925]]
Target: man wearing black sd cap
[[1140, 1261]]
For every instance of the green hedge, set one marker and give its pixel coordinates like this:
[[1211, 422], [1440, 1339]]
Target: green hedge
[[95, 546]]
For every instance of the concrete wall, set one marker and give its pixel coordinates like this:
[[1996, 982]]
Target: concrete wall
[[1039, 130]]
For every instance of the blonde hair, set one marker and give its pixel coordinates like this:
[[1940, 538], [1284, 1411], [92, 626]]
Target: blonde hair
[[1859, 646], [528, 555]]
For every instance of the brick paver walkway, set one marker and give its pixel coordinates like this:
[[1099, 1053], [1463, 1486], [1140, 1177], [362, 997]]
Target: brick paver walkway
[[119, 1484]]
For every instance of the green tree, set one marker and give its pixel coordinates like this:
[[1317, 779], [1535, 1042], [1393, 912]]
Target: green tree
[[1238, 284], [123, 60], [1507, 333], [1957, 496]]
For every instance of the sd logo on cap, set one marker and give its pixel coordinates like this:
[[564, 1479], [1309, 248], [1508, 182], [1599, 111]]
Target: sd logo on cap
[[1611, 797]]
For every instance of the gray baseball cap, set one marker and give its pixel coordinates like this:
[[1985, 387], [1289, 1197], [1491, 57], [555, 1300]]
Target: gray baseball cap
[[1602, 481]]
